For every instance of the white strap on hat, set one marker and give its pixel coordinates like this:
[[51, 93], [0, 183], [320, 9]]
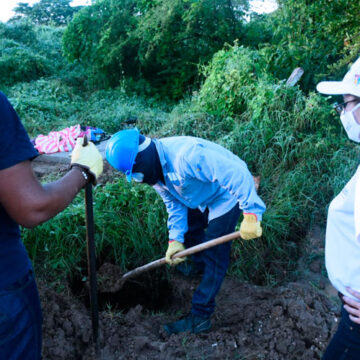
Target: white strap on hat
[[145, 144]]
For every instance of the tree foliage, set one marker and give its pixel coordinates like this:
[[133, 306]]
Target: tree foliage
[[19, 63], [21, 31], [285, 135], [311, 34], [29, 52], [230, 79], [46, 12], [176, 36], [20, 59], [101, 37], [159, 41]]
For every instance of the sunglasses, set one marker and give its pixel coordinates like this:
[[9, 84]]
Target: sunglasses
[[339, 108]]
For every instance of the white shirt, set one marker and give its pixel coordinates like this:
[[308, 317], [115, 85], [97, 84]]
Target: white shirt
[[342, 248]]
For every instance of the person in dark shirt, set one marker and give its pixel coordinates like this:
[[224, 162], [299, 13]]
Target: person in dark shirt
[[25, 201]]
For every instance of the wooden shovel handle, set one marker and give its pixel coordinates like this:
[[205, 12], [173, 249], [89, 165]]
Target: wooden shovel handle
[[186, 252]]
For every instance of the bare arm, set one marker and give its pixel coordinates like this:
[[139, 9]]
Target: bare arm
[[29, 202]]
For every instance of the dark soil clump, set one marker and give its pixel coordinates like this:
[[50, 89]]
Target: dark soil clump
[[292, 322]]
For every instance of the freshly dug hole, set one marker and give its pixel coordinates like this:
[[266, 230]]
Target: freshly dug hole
[[293, 322], [151, 289]]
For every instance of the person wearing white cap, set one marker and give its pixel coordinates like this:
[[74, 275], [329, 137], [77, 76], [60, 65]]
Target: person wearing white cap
[[342, 245], [203, 186]]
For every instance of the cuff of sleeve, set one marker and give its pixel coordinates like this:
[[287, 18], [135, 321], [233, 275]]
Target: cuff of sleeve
[[258, 216], [175, 235]]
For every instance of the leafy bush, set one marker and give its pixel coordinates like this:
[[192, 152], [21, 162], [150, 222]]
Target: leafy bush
[[258, 31], [230, 79], [100, 37], [21, 31], [21, 64], [176, 36], [312, 35], [19, 59], [48, 44], [29, 53], [161, 42]]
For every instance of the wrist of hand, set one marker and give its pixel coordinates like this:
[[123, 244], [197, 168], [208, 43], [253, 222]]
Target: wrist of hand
[[84, 172], [250, 217]]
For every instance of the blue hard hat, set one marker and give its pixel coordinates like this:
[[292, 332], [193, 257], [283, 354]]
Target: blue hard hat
[[121, 150]]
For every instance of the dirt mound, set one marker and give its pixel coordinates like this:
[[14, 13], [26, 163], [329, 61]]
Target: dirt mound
[[292, 322]]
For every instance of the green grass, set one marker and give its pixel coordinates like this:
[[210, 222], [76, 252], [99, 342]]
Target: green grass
[[48, 104], [130, 230], [291, 139]]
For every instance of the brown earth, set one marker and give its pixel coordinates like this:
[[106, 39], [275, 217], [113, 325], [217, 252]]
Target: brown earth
[[288, 322], [294, 321]]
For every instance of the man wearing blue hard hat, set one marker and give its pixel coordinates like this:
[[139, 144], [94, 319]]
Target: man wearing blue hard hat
[[203, 186]]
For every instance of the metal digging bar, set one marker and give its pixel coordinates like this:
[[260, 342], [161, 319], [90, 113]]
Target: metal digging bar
[[91, 259]]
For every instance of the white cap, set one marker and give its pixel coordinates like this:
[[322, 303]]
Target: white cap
[[350, 84]]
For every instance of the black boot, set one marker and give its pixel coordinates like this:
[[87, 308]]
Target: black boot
[[192, 323]]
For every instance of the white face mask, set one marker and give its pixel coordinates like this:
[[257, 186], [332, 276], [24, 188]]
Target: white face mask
[[351, 126], [138, 177]]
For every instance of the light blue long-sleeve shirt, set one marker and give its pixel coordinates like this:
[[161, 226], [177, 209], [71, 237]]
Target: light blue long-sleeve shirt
[[201, 174]]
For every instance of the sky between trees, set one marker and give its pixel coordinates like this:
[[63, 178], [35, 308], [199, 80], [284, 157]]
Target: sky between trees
[[260, 6]]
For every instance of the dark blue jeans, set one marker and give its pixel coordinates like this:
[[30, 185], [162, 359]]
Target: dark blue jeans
[[345, 344], [214, 262], [20, 321]]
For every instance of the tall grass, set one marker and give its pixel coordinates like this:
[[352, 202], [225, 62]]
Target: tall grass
[[130, 231], [48, 104], [292, 140]]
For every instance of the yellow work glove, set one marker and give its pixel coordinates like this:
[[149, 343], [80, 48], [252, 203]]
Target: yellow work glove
[[88, 157], [250, 227], [173, 248]]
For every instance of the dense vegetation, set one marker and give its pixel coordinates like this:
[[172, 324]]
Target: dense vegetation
[[133, 58], [160, 43]]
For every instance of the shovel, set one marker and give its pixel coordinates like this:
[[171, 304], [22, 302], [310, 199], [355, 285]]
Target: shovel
[[154, 264], [91, 258]]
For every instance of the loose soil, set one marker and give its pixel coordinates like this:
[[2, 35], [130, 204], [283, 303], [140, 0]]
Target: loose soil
[[293, 321], [289, 322]]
